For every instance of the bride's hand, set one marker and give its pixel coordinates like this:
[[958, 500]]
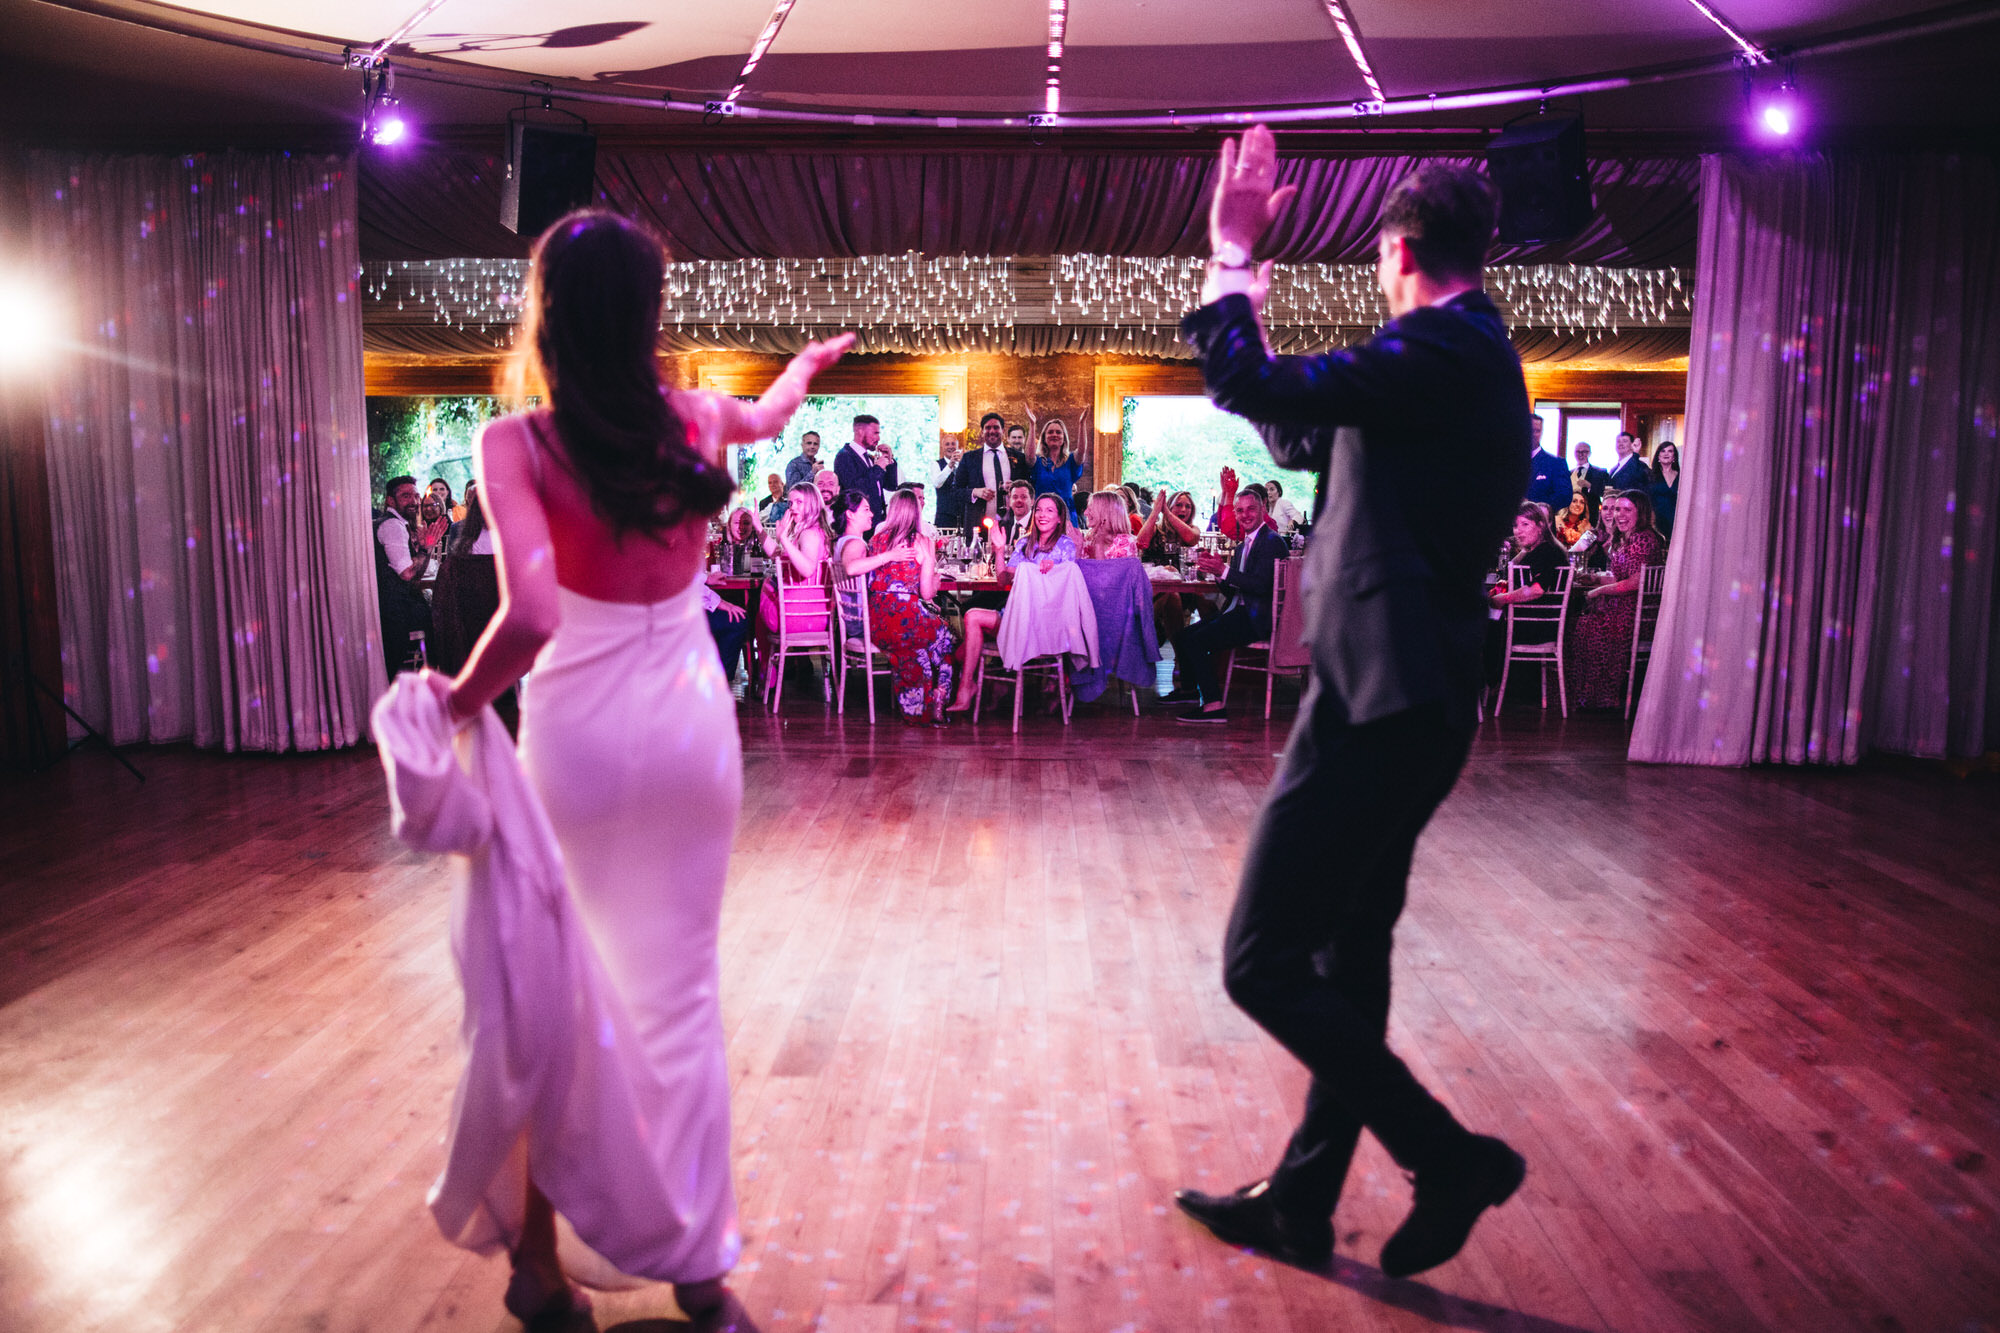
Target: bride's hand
[[817, 356]]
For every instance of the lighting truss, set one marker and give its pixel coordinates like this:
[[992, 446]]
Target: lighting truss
[[1058, 25], [1748, 51], [757, 50], [1351, 34]]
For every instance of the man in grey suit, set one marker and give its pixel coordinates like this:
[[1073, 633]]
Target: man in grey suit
[[1395, 619]]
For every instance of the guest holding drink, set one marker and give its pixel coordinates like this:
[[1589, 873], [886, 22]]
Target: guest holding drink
[[1534, 546]]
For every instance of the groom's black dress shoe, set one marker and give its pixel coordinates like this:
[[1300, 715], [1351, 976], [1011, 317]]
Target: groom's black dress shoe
[[1449, 1202], [1249, 1218]]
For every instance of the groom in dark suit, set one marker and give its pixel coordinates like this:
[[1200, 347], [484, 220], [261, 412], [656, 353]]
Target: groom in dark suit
[[1395, 619]]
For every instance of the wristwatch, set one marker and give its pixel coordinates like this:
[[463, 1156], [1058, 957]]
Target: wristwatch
[[1231, 255]]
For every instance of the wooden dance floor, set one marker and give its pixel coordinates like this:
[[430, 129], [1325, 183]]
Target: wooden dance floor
[[1744, 1025]]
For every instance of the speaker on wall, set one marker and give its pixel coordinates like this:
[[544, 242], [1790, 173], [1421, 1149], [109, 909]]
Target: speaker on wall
[[1543, 179], [550, 170]]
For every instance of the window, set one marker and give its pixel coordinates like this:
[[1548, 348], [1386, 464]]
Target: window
[[426, 437], [1570, 424], [1183, 442], [909, 428]]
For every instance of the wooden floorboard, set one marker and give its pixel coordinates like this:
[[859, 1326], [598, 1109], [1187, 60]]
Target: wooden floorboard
[[1744, 1024]]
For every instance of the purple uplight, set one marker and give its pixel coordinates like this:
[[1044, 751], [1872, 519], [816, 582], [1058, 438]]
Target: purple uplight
[[1778, 115], [389, 129]]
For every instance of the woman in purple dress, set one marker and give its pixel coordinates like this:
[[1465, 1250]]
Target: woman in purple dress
[[1600, 642]]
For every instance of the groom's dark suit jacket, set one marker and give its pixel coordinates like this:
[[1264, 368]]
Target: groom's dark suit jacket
[[1394, 577]]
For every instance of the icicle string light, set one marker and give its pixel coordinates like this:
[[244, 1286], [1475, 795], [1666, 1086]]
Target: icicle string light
[[958, 295]]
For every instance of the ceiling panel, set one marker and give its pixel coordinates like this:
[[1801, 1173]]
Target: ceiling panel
[[592, 40], [1123, 23], [916, 25], [362, 22]]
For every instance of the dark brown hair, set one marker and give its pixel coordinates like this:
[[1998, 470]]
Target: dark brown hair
[[591, 317], [1447, 213]]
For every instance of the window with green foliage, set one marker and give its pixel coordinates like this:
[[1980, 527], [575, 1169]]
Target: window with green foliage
[[426, 438], [1183, 443], [909, 428]]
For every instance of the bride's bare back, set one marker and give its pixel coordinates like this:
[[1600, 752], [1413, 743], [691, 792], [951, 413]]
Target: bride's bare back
[[546, 535]]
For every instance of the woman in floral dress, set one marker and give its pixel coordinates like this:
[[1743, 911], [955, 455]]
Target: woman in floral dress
[[1600, 642], [901, 565]]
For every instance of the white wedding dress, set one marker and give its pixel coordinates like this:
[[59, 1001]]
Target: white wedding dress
[[628, 737]]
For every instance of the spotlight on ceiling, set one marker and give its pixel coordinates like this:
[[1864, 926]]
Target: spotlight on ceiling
[[1777, 114], [382, 122]]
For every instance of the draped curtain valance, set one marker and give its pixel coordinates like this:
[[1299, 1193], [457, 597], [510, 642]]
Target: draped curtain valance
[[775, 204]]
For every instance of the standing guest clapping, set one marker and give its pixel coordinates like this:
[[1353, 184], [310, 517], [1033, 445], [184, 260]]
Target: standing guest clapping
[[599, 504], [1395, 618]]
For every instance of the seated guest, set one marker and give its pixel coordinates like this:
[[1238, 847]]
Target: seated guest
[[402, 607], [1285, 515], [1573, 522], [1630, 473], [1548, 480], [1012, 520], [772, 507], [728, 625], [1108, 533], [1055, 470], [433, 526], [1665, 488], [1046, 543], [1169, 529], [827, 483], [1247, 579], [901, 565], [1135, 507], [804, 465], [440, 490], [1599, 646], [799, 541], [1535, 547], [467, 593], [925, 526]]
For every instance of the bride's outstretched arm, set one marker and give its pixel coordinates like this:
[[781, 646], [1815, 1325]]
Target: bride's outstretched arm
[[743, 423]]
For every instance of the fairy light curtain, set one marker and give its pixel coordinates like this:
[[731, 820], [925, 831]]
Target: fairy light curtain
[[208, 453], [773, 203], [1831, 586]]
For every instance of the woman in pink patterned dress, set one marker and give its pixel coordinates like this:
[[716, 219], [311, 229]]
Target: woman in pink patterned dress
[[1600, 641]]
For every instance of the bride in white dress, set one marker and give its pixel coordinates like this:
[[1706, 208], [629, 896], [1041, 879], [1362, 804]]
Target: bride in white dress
[[599, 505]]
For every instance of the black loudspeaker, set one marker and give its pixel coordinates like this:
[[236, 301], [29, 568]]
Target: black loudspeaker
[[1544, 181], [550, 170]]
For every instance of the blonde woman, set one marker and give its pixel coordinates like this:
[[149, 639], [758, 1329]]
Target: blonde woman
[[801, 539], [1109, 521], [1055, 470]]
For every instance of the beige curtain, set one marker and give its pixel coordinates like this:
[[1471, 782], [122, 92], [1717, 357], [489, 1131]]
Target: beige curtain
[[1831, 585], [208, 454]]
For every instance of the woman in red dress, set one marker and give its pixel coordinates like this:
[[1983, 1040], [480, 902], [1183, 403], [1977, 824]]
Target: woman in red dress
[[901, 565], [1600, 642]]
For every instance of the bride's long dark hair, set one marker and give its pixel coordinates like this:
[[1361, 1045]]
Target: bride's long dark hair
[[591, 315]]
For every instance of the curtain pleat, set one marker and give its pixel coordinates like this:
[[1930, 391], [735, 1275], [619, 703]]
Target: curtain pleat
[[1831, 579], [820, 204], [208, 451]]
